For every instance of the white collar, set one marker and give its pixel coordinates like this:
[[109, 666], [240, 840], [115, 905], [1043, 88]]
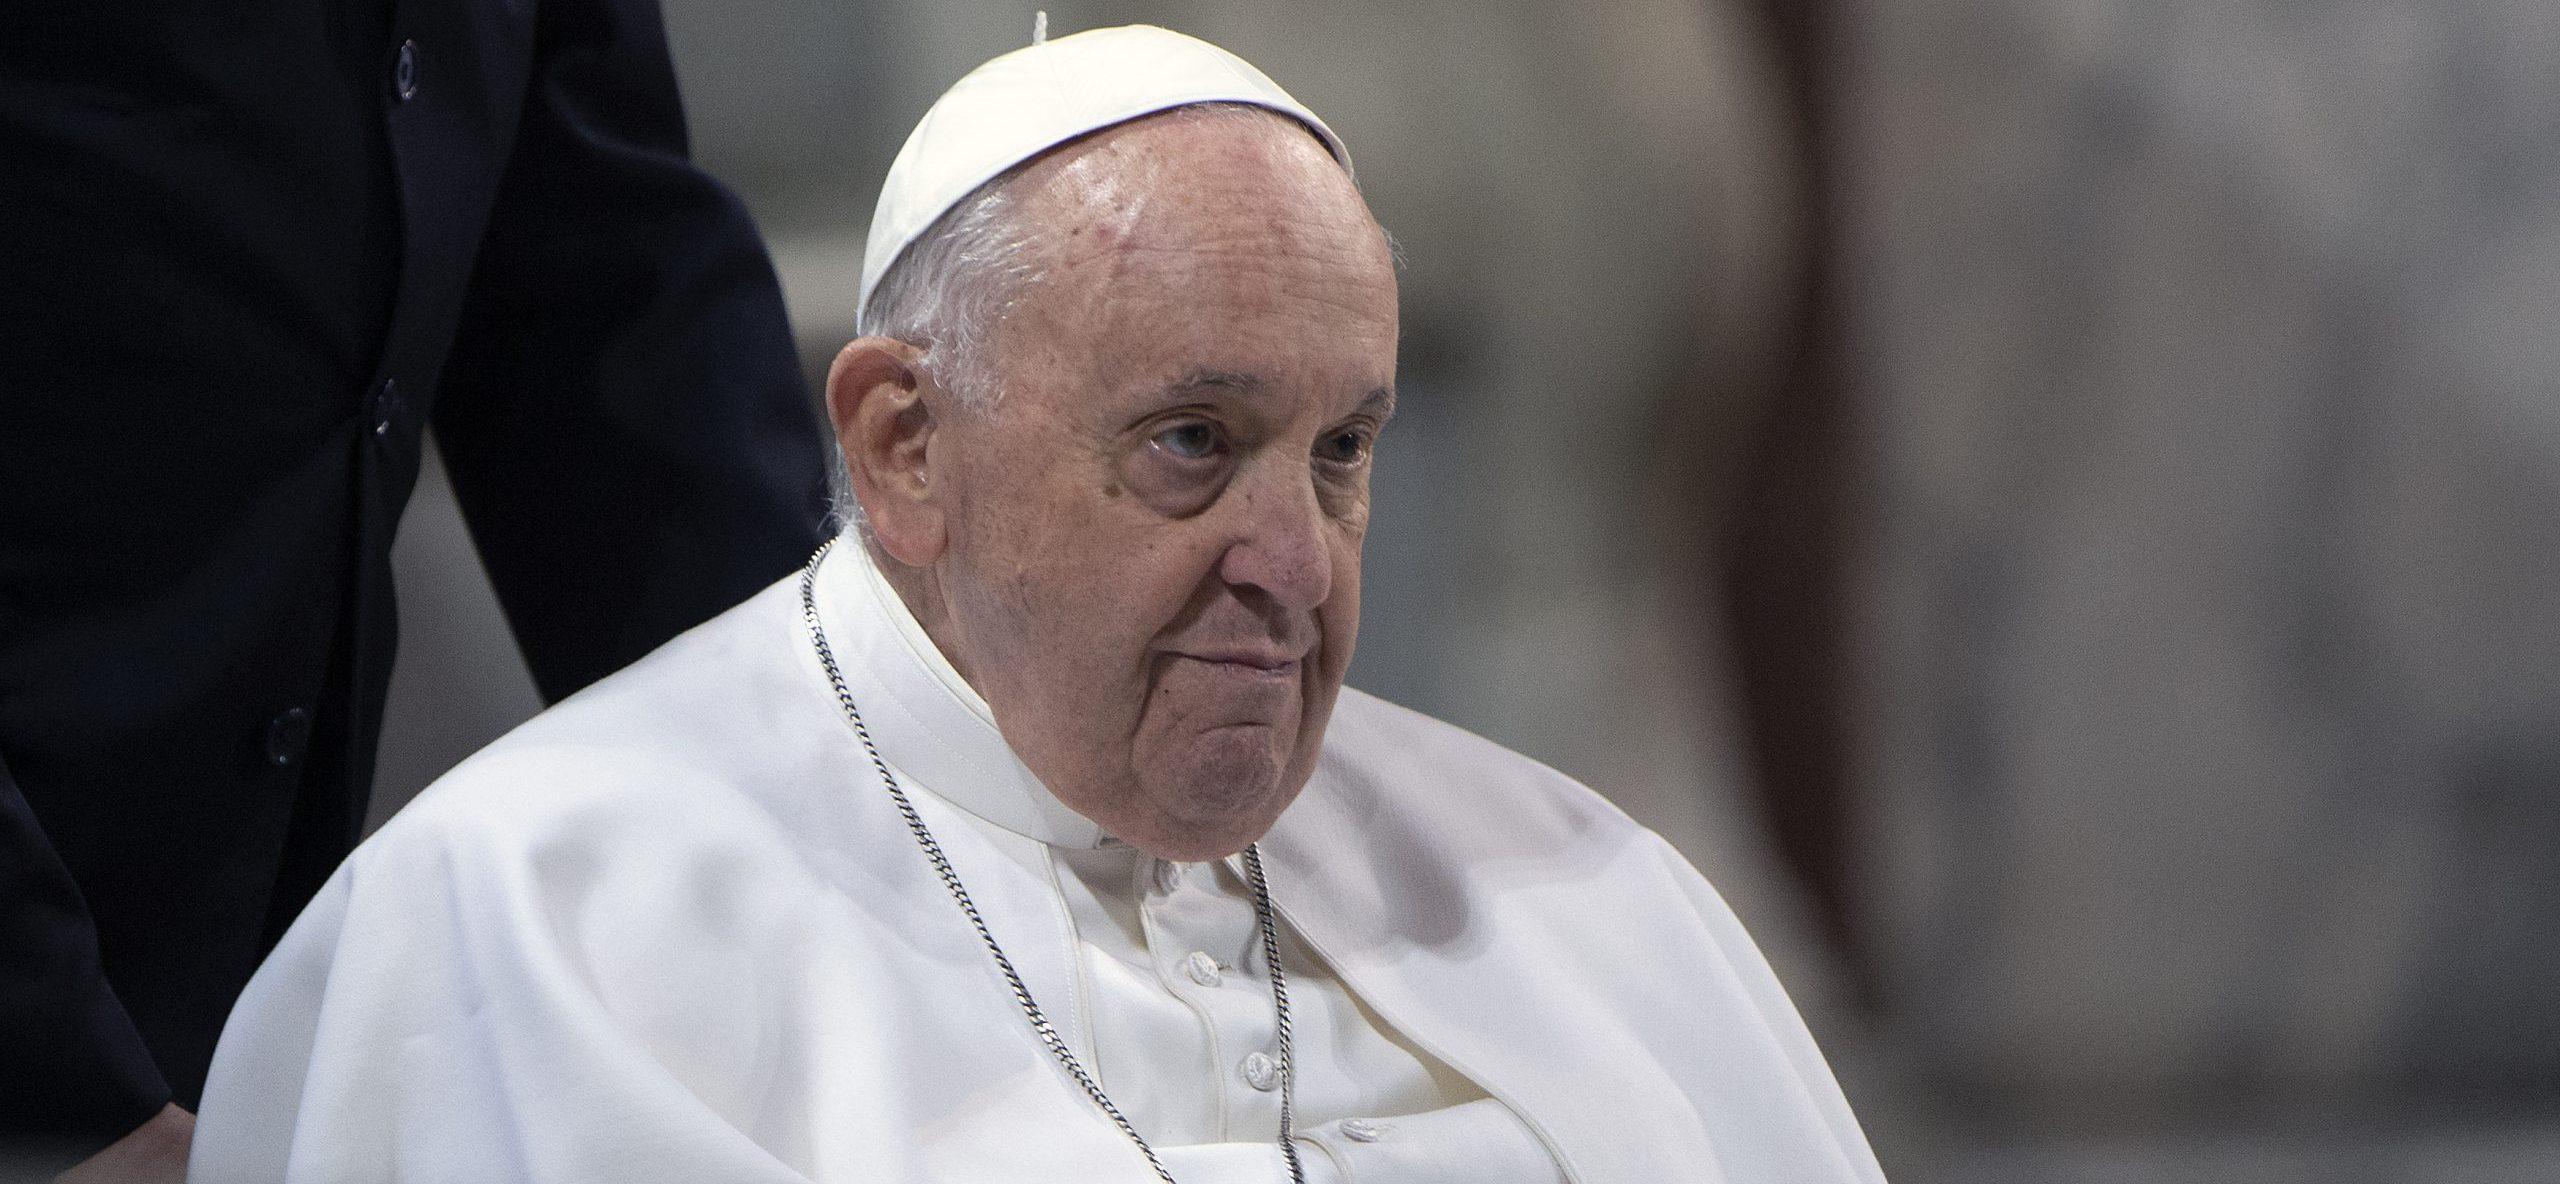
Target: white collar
[[930, 724]]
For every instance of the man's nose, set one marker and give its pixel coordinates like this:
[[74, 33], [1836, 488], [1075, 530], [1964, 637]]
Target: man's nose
[[1281, 543]]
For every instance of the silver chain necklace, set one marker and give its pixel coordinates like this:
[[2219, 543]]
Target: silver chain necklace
[[1040, 1024]]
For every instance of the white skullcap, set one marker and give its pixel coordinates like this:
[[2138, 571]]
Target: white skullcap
[[1031, 100]]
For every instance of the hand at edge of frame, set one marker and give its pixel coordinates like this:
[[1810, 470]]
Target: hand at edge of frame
[[154, 1153]]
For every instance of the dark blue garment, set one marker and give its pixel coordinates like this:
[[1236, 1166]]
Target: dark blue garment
[[249, 253]]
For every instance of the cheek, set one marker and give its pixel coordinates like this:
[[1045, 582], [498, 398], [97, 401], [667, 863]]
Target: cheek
[[1340, 615], [1090, 594], [1023, 593]]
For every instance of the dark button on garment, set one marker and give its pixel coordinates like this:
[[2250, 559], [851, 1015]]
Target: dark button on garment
[[386, 405], [287, 735], [404, 72]]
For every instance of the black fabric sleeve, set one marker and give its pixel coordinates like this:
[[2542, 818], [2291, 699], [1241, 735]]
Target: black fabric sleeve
[[622, 414], [74, 1075]]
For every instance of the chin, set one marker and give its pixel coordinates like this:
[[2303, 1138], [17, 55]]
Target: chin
[[1225, 796]]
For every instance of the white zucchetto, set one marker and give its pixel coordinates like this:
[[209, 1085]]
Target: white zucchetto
[[1033, 99]]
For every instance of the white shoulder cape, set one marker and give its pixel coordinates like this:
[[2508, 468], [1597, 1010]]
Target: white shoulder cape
[[673, 930]]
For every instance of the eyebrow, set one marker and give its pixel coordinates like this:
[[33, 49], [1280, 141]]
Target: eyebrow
[[1202, 380], [1381, 400]]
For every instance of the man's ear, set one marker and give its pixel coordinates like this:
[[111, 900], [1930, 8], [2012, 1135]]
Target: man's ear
[[875, 399]]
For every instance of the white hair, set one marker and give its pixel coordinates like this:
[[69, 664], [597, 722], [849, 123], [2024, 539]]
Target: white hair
[[942, 295]]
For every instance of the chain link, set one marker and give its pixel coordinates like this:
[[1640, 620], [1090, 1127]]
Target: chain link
[[1040, 1025]]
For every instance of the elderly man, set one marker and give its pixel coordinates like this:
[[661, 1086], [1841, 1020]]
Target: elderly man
[[1028, 834]]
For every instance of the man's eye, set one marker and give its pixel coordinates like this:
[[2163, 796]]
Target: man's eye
[[1345, 448], [1190, 441]]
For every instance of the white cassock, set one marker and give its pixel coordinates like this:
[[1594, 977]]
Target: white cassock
[[674, 930]]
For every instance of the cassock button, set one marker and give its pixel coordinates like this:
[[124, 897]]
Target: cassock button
[[1261, 1072], [404, 72], [1168, 876], [288, 734], [386, 407], [1361, 1130], [1202, 968]]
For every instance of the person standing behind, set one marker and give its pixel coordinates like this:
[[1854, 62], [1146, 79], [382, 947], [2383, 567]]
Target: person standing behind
[[253, 254]]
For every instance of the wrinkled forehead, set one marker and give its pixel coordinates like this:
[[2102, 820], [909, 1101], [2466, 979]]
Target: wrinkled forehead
[[1246, 165], [1181, 246]]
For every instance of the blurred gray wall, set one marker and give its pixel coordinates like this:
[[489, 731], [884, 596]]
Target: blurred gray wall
[[2209, 365]]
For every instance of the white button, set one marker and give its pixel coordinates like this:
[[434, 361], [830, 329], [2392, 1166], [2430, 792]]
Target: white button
[[1361, 1130], [1168, 876], [1261, 1072], [1202, 968]]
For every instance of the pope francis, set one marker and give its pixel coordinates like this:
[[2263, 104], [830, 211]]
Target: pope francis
[[1029, 834]]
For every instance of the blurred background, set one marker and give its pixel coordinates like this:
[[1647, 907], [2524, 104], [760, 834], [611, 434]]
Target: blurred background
[[2054, 505]]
